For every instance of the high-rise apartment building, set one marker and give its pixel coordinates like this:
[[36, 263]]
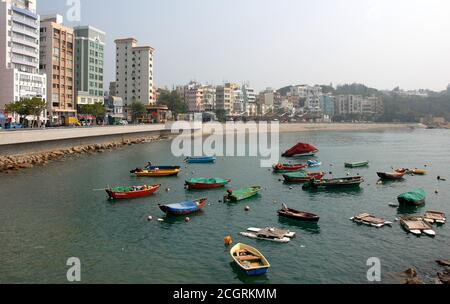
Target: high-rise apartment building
[[134, 72], [19, 52], [225, 97], [89, 65], [57, 56]]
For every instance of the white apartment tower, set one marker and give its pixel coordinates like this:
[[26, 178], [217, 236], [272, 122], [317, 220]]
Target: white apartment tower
[[19, 52], [134, 72]]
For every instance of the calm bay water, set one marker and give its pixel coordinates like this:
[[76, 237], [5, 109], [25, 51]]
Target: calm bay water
[[49, 214]]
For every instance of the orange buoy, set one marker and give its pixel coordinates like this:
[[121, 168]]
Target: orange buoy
[[228, 240]]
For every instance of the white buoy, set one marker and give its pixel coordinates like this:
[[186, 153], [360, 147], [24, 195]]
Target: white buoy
[[150, 218], [160, 220], [247, 208], [187, 220]]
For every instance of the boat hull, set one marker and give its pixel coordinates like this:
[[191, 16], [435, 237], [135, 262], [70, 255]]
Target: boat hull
[[133, 194], [240, 197], [177, 210], [356, 165], [200, 186], [291, 179], [203, 160], [405, 202], [344, 183], [311, 219], [390, 176], [158, 173]]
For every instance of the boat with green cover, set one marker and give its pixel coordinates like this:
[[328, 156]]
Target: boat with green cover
[[206, 183], [357, 164], [244, 193], [413, 198]]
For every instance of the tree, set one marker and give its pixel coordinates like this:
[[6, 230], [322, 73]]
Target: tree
[[137, 109], [221, 115], [173, 101], [28, 106], [97, 109]]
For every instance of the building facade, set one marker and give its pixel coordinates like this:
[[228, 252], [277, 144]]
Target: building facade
[[56, 56], [19, 52], [348, 104], [89, 65], [225, 98], [327, 105], [134, 72]]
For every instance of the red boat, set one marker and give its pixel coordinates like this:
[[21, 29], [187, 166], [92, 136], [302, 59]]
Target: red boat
[[303, 177], [131, 192], [289, 167], [301, 149]]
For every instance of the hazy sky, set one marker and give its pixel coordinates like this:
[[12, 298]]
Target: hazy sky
[[273, 43]]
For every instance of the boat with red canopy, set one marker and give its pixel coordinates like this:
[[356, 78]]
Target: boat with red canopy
[[301, 149]]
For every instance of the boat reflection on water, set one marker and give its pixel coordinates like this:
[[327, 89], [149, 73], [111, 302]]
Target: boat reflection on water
[[244, 278], [181, 219], [336, 192], [310, 227], [405, 209]]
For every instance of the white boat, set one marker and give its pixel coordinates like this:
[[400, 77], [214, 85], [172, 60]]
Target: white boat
[[269, 234], [417, 226], [370, 220]]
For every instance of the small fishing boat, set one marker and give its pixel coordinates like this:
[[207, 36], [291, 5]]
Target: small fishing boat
[[314, 163], [357, 164], [370, 220], [335, 183], [131, 192], [184, 208], [152, 167], [412, 171], [200, 160], [242, 194], [206, 183], [417, 226], [157, 173], [413, 198], [302, 177], [285, 168], [269, 234], [250, 260], [301, 150], [298, 215], [435, 217], [391, 175]]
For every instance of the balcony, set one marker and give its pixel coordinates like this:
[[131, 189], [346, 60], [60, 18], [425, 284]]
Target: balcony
[[25, 31], [25, 21], [25, 41]]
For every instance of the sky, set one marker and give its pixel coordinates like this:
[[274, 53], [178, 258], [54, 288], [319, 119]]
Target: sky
[[275, 43]]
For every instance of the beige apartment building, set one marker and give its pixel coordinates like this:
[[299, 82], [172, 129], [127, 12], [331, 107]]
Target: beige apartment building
[[225, 97], [56, 58], [134, 72]]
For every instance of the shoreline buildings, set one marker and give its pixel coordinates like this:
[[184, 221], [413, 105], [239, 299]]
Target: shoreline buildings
[[89, 65], [134, 73], [57, 62], [19, 52]]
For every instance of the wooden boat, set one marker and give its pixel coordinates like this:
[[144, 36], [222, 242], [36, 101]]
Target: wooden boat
[[435, 217], [250, 260], [357, 164], [390, 175], [346, 182], [184, 208], [157, 173], [200, 160], [300, 150], [314, 163], [269, 234], [242, 194], [413, 198], [412, 171], [370, 220], [298, 215], [206, 183], [131, 192], [162, 167], [302, 177], [417, 226], [285, 168]]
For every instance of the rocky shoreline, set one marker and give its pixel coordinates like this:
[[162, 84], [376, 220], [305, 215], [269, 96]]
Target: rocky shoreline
[[9, 164]]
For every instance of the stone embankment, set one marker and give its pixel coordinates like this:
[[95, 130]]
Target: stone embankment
[[9, 164]]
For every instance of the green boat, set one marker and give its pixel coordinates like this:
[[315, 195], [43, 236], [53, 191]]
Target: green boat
[[244, 193], [206, 183], [413, 198], [357, 164]]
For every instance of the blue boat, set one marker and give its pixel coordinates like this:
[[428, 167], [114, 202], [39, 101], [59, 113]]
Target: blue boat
[[314, 163], [184, 208], [200, 160]]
